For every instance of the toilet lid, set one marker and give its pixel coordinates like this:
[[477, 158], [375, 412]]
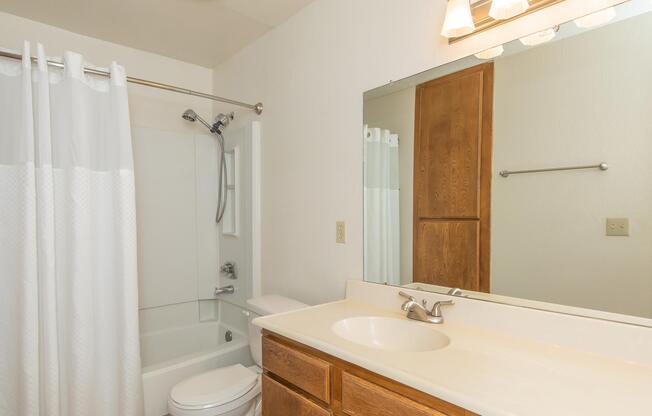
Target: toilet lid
[[214, 388]]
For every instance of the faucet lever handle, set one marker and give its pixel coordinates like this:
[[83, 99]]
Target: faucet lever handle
[[456, 291], [436, 308], [406, 296]]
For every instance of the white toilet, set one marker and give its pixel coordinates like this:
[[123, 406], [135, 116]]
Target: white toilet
[[232, 390]]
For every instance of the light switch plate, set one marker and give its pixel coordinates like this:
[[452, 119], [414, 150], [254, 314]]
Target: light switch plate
[[618, 227], [340, 232]]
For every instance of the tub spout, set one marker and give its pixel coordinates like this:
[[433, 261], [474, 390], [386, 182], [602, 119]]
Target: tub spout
[[226, 290]]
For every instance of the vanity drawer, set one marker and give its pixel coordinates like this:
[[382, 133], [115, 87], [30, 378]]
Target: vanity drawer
[[363, 398], [308, 373], [279, 400]]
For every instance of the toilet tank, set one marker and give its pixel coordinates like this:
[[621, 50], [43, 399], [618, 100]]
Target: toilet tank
[[266, 305]]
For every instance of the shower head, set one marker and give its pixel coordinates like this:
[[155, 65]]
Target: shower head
[[190, 115]]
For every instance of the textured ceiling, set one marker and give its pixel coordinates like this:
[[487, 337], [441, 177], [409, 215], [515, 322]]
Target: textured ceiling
[[204, 32]]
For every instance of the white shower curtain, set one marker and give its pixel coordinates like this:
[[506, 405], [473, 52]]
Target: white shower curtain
[[68, 280], [381, 205]]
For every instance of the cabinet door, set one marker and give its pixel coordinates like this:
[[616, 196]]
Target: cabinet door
[[363, 398], [279, 400]]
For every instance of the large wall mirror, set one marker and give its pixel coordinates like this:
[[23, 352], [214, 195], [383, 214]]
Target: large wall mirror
[[523, 174]]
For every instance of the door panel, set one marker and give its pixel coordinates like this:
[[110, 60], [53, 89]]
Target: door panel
[[449, 146], [452, 179], [448, 253]]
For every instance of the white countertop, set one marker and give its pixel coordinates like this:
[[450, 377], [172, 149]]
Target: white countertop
[[487, 372]]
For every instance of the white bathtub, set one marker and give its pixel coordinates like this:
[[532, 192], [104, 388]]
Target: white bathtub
[[172, 355]]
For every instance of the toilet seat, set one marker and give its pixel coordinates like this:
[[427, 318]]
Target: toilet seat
[[215, 392]]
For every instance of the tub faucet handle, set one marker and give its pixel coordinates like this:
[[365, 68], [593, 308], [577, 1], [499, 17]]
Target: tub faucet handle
[[228, 269]]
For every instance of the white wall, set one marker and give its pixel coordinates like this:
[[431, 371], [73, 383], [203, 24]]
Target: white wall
[[310, 72], [583, 100], [175, 262], [395, 112]]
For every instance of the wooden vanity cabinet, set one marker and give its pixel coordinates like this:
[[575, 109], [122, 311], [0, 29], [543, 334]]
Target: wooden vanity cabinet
[[301, 381]]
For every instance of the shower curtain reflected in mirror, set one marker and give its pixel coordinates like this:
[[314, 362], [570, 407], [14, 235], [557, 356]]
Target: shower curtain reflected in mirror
[[68, 277], [381, 206]]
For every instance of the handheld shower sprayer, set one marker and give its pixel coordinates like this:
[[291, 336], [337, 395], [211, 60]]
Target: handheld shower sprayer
[[190, 115], [220, 122]]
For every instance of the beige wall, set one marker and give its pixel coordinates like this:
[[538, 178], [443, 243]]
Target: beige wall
[[311, 72], [174, 264], [395, 112], [583, 100]]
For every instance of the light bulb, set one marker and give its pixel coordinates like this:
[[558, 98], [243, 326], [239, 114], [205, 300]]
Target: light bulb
[[596, 19], [506, 9], [458, 21], [490, 53], [539, 37]]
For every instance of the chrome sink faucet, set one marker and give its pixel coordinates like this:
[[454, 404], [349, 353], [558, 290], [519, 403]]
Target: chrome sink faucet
[[418, 311]]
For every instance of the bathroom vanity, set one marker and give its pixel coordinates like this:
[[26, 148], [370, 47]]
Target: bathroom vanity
[[363, 356], [303, 381]]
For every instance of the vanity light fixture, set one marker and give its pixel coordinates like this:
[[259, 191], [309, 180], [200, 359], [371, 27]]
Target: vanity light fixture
[[596, 19], [540, 37], [458, 20], [506, 9], [475, 16], [491, 53]]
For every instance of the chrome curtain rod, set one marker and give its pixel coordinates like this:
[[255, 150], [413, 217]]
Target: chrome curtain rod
[[258, 108], [505, 173]]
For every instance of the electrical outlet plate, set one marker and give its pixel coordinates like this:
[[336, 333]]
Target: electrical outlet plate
[[618, 227], [340, 232]]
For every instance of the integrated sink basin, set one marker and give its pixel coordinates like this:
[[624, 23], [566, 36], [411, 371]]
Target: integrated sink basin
[[390, 334]]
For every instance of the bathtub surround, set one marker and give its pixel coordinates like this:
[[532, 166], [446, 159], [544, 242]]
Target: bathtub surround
[[303, 80], [185, 336], [68, 260]]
